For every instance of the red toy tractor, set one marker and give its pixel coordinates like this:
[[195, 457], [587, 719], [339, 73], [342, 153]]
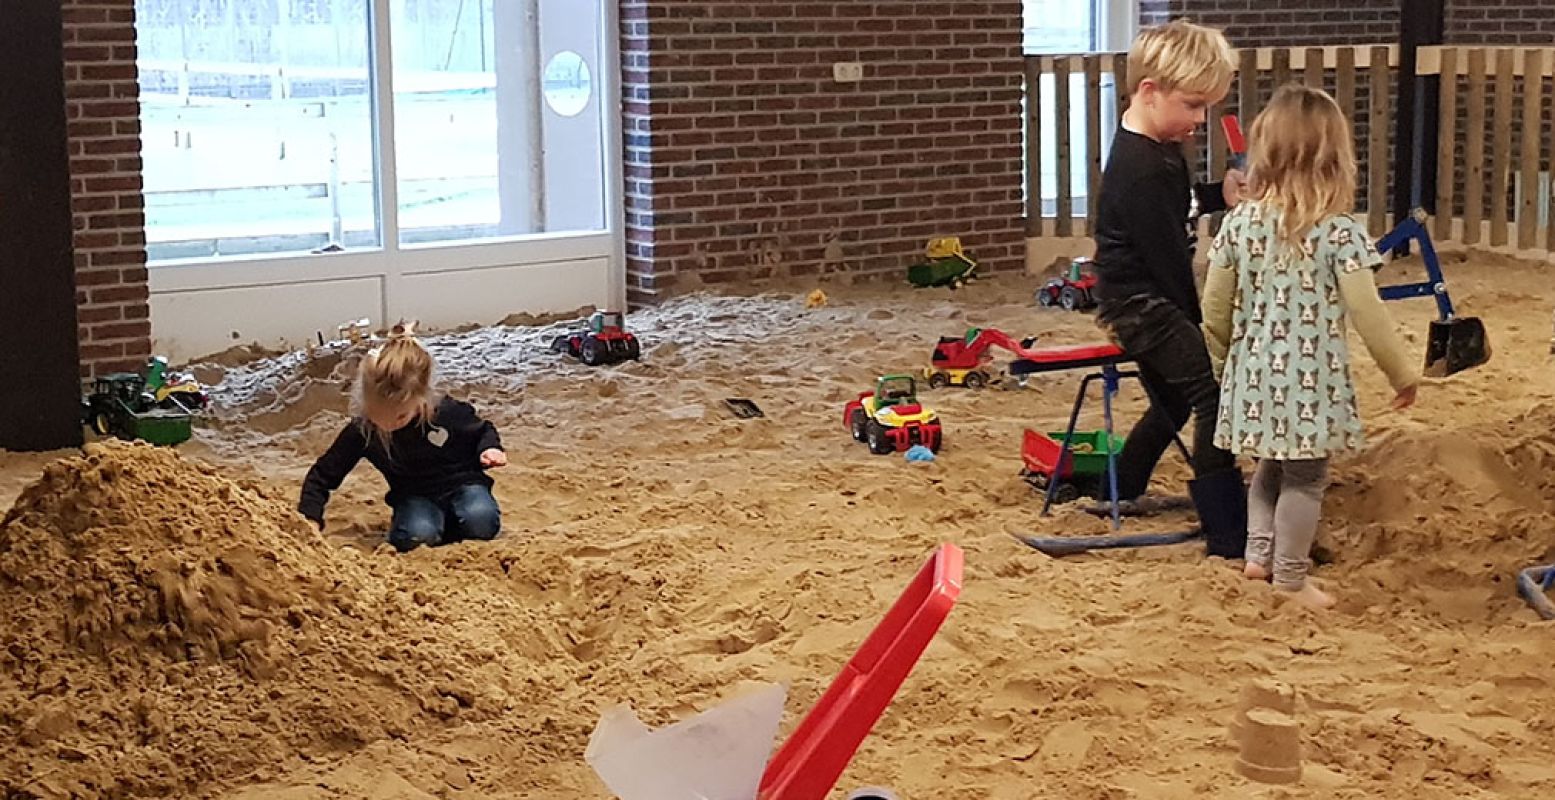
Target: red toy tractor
[[1073, 292], [605, 342]]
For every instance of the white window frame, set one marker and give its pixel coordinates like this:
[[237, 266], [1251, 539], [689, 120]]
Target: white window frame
[[1114, 24], [391, 261]]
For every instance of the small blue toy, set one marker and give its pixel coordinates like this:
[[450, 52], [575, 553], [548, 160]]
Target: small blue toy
[[919, 453]]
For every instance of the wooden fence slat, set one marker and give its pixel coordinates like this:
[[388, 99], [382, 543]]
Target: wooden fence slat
[[1344, 80], [1377, 158], [1474, 150], [1064, 225], [1446, 164], [1549, 214], [1033, 146], [1533, 114], [1501, 155], [1313, 75], [1217, 143], [1247, 88], [1281, 67], [1120, 81], [1092, 139]]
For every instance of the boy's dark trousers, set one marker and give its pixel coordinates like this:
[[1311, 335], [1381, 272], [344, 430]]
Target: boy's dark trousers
[[1174, 362]]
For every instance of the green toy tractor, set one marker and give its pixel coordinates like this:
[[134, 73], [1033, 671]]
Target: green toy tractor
[[120, 405]]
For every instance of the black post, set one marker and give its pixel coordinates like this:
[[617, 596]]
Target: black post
[[1421, 23], [40, 391]]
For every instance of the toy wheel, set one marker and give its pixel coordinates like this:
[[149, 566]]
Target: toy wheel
[[102, 423], [1044, 297], [879, 443], [1069, 298], [633, 349], [559, 344], [872, 793], [937, 441], [976, 380], [939, 380], [1067, 493], [857, 425], [590, 353]]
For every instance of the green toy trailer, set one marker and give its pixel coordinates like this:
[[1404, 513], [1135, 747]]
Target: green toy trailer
[[119, 405], [945, 265]]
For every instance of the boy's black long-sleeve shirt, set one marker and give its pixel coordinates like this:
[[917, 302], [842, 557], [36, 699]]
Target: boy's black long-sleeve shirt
[[423, 459], [1144, 224]]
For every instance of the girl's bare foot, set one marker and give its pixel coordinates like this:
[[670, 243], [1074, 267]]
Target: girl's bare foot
[[1311, 597], [1255, 571]]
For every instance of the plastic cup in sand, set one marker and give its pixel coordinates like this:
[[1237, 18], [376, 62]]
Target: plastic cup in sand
[[719, 754]]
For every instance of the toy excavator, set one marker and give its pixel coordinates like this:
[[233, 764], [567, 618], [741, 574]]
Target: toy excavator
[[963, 360]]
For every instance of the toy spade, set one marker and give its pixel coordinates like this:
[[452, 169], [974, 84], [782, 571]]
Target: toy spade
[[1234, 141]]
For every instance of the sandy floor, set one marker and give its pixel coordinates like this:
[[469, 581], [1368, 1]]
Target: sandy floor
[[171, 629]]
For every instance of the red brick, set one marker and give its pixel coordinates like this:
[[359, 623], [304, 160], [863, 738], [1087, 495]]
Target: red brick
[[92, 314], [112, 331], [97, 352]]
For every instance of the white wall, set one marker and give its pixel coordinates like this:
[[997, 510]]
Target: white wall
[[201, 309]]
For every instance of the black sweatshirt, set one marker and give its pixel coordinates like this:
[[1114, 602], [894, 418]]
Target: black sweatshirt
[[424, 459], [1145, 222]]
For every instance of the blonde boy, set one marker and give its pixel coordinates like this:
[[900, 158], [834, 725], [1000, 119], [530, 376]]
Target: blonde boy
[[1147, 210]]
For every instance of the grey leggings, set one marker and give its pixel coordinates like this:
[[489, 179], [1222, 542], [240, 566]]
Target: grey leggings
[[1283, 507]]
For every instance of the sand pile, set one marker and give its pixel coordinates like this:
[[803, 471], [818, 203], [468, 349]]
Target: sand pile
[[165, 629], [657, 550], [1443, 519]]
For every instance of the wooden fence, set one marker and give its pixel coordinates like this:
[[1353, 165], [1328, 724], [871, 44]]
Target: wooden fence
[[1495, 97]]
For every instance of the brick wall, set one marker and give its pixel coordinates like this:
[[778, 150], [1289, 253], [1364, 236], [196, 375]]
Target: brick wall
[[1273, 23], [745, 159], [103, 114], [1278, 23], [1524, 22]]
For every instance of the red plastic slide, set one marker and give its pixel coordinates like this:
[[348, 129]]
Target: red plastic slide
[[810, 762]]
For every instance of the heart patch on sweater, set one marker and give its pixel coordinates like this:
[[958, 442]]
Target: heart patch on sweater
[[437, 436]]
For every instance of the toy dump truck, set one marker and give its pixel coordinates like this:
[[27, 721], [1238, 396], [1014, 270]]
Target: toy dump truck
[[120, 405], [945, 264], [1080, 472]]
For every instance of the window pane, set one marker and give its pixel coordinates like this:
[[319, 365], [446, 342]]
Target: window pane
[[445, 121], [1059, 26], [255, 124], [496, 118]]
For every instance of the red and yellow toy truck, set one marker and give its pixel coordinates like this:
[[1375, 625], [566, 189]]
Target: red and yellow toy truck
[[890, 419]]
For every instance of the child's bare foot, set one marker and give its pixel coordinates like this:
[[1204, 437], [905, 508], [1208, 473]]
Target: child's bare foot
[[1311, 597], [1255, 571]]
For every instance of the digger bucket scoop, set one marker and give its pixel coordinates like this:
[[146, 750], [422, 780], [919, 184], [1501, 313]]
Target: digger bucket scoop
[[1454, 343]]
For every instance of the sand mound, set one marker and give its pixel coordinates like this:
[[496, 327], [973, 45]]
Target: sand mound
[[1443, 520], [166, 628]]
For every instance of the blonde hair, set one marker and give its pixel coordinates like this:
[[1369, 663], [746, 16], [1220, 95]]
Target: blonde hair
[[1302, 159], [395, 376], [1183, 56]]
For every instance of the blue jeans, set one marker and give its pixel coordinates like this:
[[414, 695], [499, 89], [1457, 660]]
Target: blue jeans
[[469, 512]]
